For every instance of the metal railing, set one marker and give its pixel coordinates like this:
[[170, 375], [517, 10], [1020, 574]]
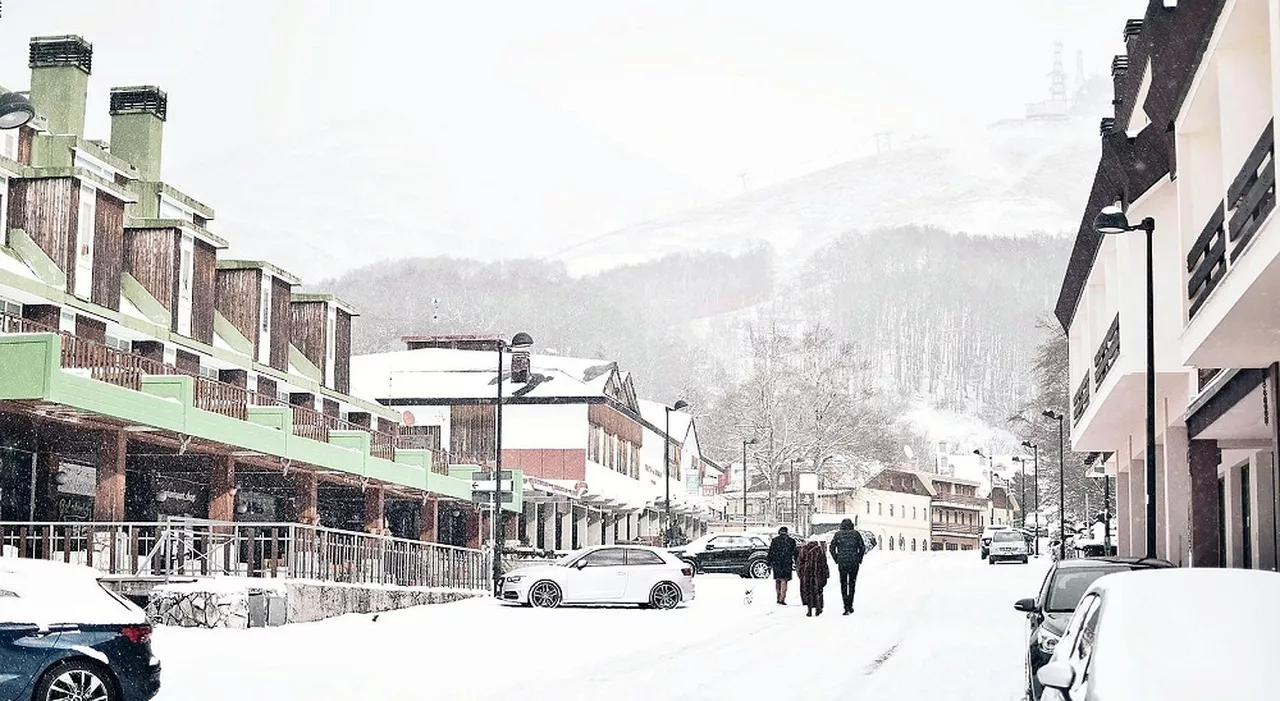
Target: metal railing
[[182, 548], [1080, 400], [956, 528], [1108, 352]]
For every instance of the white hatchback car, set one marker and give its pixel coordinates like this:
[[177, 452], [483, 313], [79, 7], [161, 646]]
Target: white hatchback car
[[605, 574]]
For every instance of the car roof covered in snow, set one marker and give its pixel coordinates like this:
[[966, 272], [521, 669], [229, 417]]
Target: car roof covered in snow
[[1192, 633]]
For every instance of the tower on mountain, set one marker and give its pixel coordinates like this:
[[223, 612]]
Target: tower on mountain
[[1059, 103]]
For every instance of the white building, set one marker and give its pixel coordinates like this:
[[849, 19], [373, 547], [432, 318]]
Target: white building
[[1191, 146]]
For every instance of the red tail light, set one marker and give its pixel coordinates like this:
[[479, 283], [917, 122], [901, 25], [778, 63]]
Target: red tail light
[[687, 571], [136, 634]]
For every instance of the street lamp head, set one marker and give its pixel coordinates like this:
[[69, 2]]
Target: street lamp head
[[748, 441], [1028, 444], [978, 452], [1111, 220], [1051, 415], [15, 110], [521, 341], [680, 405]]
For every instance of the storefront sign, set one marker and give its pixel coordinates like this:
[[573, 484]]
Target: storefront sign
[[77, 479]]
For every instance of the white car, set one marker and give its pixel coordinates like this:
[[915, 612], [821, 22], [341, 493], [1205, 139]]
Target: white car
[[604, 574], [1176, 633], [1007, 544]]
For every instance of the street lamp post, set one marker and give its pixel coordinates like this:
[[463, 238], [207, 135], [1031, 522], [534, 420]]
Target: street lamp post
[[1062, 482], [1022, 487], [520, 341], [745, 442], [1112, 220], [666, 467], [1035, 487]]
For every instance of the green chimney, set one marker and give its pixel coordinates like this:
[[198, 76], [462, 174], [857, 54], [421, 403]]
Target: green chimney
[[60, 67], [138, 114]]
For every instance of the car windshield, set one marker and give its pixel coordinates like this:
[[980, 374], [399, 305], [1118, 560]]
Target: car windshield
[[1006, 537], [1069, 586]]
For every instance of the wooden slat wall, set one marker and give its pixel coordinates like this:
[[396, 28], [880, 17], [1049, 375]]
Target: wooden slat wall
[[307, 330], [266, 387], [108, 251], [471, 430], [342, 353], [26, 139], [236, 296], [617, 423], [205, 268], [281, 323], [149, 256], [187, 362], [46, 209], [91, 329], [331, 408]]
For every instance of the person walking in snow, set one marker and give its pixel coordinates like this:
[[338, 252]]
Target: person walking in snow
[[782, 559], [814, 573], [847, 549]]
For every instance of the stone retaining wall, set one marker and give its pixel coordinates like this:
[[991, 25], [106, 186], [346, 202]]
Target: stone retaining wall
[[222, 603]]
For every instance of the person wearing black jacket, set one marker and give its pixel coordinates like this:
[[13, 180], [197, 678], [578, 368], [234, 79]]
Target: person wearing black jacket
[[782, 559], [847, 550]]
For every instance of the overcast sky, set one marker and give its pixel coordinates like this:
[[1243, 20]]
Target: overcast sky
[[527, 125]]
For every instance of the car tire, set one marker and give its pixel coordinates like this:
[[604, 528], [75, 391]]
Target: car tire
[[991, 561], [758, 569], [665, 596], [86, 678], [1024, 560], [545, 594]]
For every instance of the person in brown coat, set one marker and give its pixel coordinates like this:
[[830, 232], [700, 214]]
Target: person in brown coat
[[814, 572]]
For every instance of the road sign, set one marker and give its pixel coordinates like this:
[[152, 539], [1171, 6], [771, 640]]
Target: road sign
[[487, 497], [488, 476], [490, 486]]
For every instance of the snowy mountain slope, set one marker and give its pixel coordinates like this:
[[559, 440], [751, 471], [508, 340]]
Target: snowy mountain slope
[[1014, 178]]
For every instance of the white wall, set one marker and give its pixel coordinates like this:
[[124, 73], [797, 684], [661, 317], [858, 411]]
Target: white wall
[[544, 426]]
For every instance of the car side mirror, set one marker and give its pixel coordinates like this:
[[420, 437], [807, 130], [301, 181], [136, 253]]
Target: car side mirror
[[1057, 675], [580, 564], [711, 546], [1025, 605]]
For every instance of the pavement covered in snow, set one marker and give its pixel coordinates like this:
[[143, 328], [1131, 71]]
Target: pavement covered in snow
[[926, 626]]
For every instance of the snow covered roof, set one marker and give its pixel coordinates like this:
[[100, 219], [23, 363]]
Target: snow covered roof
[[655, 413], [445, 374]]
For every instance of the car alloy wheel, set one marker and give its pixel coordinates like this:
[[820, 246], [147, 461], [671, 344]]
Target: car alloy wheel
[[76, 681], [665, 595], [759, 569], [545, 595]]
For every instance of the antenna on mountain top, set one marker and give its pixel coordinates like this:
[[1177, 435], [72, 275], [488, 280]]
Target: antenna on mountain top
[[1058, 78], [884, 142], [743, 175]]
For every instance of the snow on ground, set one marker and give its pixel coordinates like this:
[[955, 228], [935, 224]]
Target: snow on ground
[[926, 626]]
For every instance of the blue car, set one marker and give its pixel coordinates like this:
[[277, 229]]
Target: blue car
[[66, 637]]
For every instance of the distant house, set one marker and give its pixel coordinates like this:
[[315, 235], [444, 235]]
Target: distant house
[[590, 460], [958, 513], [893, 504]]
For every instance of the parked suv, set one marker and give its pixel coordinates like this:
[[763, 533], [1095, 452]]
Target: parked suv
[[745, 554], [1060, 592]]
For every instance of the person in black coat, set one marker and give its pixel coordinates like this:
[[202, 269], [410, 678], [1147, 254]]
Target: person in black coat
[[782, 559], [847, 549]]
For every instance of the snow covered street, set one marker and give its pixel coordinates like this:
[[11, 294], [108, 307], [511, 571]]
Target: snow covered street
[[926, 626]]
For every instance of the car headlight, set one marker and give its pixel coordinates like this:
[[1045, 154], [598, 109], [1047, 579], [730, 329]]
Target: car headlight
[[1046, 640], [514, 578]]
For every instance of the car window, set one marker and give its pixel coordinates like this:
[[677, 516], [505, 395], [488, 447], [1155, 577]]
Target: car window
[[1069, 584], [1043, 596], [635, 556], [1066, 645], [759, 542], [606, 557], [1087, 637], [731, 541], [1006, 537]]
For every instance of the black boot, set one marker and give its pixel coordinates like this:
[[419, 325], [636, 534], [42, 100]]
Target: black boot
[[809, 612]]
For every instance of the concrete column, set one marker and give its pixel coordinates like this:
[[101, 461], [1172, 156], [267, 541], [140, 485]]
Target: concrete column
[[565, 541], [108, 499], [375, 505], [1137, 508], [610, 528], [511, 525], [1202, 464], [530, 517], [1176, 501], [305, 487], [1235, 508], [592, 519], [581, 518], [1121, 506], [1162, 513], [1262, 508], [549, 519], [428, 522], [222, 489]]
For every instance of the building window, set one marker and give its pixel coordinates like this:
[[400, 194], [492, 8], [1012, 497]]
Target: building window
[[186, 275], [206, 371], [890, 543], [868, 508], [913, 545], [891, 509], [84, 242], [119, 343], [879, 508], [913, 514], [10, 308], [264, 320]]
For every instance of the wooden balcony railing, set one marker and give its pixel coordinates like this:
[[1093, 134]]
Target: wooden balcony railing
[[125, 369], [1234, 222], [961, 528], [1080, 401], [1107, 353]]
